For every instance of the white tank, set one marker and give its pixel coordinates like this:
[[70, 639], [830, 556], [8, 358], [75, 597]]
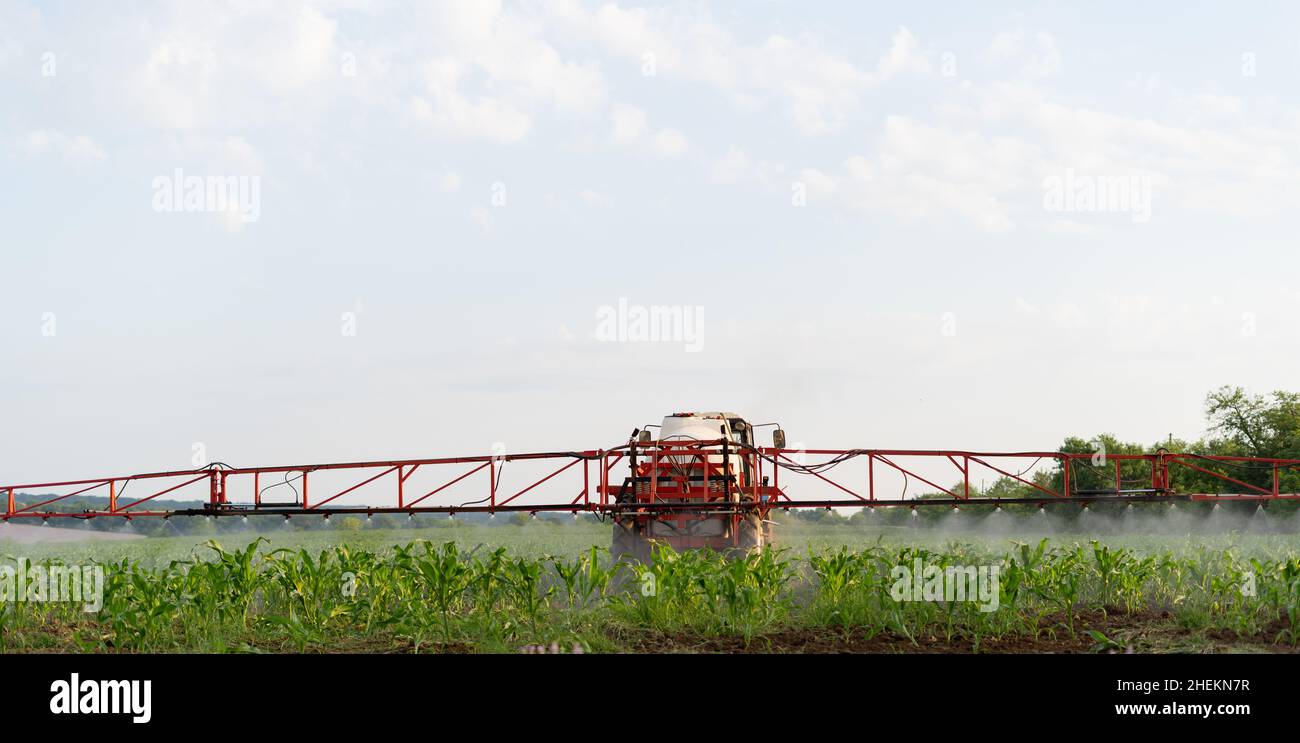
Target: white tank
[[698, 427], [708, 426]]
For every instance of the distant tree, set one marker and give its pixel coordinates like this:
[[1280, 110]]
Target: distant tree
[[1263, 425], [820, 515], [1097, 470], [1240, 425]]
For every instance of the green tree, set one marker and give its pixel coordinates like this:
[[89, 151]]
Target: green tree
[[1261, 425]]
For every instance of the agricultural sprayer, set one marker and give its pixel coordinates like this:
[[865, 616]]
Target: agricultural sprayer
[[702, 481]]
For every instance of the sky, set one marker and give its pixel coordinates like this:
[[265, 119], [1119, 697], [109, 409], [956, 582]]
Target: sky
[[877, 224]]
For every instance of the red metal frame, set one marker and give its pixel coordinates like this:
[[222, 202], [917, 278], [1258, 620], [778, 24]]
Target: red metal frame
[[669, 496], [680, 481]]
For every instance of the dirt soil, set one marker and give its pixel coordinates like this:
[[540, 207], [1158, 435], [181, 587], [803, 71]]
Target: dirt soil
[[1148, 632]]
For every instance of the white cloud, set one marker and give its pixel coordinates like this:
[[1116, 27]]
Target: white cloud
[[493, 70], [204, 66], [473, 71], [20, 31], [481, 216], [921, 172], [1219, 105], [595, 199], [1071, 227], [449, 113], [496, 73], [1033, 53], [982, 157], [818, 183], [629, 123], [75, 148], [905, 55], [738, 167], [670, 142], [1225, 168], [449, 181], [819, 89], [216, 155], [630, 128]]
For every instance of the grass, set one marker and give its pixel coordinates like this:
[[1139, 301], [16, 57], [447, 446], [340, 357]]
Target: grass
[[469, 588]]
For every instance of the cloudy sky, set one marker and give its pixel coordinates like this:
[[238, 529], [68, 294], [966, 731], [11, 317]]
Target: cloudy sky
[[876, 219]]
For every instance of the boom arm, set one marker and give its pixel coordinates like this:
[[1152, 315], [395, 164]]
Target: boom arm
[[582, 480]]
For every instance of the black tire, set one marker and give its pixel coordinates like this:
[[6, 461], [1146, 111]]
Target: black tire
[[751, 534], [629, 544]]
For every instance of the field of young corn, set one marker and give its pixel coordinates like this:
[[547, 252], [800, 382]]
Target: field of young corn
[[1065, 595]]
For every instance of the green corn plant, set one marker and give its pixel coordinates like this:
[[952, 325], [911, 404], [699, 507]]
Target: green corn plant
[[525, 583], [751, 591], [836, 573], [583, 578], [445, 577], [1111, 564], [251, 598]]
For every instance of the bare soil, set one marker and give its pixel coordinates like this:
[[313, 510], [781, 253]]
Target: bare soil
[[1144, 632]]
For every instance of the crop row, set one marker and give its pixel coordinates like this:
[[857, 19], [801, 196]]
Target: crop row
[[426, 596]]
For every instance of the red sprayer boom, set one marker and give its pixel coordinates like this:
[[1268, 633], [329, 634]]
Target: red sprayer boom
[[678, 488]]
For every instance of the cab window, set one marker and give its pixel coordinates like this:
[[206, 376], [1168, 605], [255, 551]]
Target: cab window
[[739, 430]]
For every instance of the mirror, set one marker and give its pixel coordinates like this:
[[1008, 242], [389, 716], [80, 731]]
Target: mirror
[[644, 436], [778, 439]]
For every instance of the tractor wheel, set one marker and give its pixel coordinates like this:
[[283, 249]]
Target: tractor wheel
[[628, 543], [752, 535]]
